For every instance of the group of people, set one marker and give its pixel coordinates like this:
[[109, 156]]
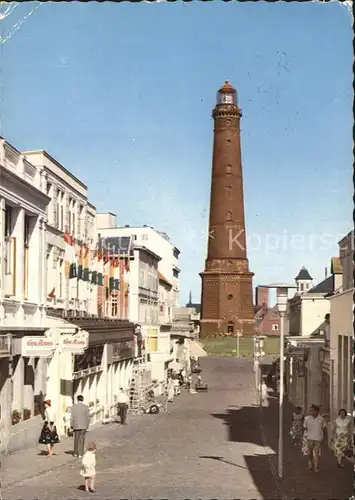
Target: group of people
[[78, 426], [309, 432]]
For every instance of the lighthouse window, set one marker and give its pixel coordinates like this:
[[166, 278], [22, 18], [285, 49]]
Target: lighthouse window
[[228, 169], [229, 216]]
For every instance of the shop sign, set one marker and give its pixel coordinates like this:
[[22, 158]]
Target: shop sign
[[122, 350], [37, 347], [76, 344]]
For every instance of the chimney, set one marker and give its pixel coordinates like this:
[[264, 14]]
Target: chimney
[[262, 296]]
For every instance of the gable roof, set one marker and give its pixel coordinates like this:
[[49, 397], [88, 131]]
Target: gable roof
[[304, 275], [325, 286]]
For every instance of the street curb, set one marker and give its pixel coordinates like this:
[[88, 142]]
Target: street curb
[[281, 491]]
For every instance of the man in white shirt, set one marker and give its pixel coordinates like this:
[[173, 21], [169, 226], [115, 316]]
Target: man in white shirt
[[122, 405], [314, 425]]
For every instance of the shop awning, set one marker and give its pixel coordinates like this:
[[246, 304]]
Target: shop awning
[[196, 350]]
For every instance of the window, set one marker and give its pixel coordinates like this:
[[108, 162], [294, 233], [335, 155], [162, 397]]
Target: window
[[61, 225], [228, 168], [74, 232], [275, 327], [229, 216], [61, 265], [114, 306], [302, 287], [144, 237], [230, 296], [134, 237], [8, 222], [230, 328], [26, 244]]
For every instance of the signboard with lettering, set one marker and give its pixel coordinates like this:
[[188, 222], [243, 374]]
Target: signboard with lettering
[[76, 344], [38, 347]]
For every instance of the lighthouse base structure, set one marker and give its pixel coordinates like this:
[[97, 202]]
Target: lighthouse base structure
[[227, 305]]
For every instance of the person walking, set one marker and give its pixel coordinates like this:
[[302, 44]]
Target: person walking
[[296, 430], [341, 436], [80, 421], [49, 434], [314, 425], [264, 394], [88, 468], [122, 406]]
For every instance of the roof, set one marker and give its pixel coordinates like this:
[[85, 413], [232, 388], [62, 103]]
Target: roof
[[56, 162], [304, 275], [193, 305], [162, 278], [325, 286], [141, 248], [335, 266], [227, 87]]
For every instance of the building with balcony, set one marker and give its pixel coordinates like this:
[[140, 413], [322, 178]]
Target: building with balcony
[[23, 212], [70, 239], [156, 241], [52, 342]]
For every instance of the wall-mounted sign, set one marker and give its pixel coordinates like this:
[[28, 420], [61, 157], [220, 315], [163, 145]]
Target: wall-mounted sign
[[38, 347], [76, 344]]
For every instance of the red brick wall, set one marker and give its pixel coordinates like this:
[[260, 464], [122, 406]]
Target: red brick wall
[[262, 296]]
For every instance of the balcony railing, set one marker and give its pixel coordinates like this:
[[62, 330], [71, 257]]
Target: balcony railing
[[5, 346]]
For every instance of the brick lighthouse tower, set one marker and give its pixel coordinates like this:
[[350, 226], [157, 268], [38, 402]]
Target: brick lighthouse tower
[[227, 290]]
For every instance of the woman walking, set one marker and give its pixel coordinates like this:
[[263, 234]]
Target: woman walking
[[49, 434], [341, 436], [296, 430], [88, 468]]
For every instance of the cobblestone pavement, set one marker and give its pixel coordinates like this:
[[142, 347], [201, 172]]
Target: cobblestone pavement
[[210, 445], [186, 453], [330, 483]]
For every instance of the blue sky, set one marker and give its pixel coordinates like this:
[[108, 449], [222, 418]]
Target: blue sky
[[121, 94]]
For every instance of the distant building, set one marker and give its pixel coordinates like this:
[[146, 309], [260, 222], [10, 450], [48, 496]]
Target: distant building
[[307, 309], [267, 319]]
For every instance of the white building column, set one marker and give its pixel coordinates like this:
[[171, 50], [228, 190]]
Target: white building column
[[2, 255], [42, 264], [53, 383], [18, 379], [18, 233], [102, 389]]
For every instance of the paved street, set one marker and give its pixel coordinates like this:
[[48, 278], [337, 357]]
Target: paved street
[[208, 446]]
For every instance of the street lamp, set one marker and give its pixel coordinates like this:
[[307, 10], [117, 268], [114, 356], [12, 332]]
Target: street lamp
[[258, 355], [282, 290]]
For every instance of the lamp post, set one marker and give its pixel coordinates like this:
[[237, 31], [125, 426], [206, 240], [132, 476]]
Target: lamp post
[[258, 355], [282, 290]]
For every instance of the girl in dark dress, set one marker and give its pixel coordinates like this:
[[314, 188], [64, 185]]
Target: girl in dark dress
[[49, 435]]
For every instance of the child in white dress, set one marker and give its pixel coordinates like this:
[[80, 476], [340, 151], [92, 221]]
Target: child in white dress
[[88, 468]]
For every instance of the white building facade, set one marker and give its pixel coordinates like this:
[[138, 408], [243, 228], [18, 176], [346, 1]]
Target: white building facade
[[157, 242], [341, 333], [70, 238], [23, 207], [153, 288], [52, 343]]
